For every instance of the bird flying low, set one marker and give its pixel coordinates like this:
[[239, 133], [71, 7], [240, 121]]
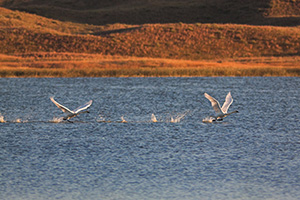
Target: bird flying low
[[72, 113], [221, 112]]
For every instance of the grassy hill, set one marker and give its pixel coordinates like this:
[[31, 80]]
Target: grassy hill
[[22, 33], [255, 12], [30, 43]]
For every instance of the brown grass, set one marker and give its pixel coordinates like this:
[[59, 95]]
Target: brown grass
[[91, 65], [284, 8], [174, 41]]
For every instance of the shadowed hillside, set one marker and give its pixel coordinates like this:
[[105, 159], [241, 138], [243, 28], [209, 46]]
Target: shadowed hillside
[[255, 12]]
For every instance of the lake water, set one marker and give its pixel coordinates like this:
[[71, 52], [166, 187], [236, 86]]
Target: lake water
[[253, 154]]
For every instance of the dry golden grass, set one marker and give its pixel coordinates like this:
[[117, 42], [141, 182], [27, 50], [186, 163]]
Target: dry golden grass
[[22, 33], [91, 65], [175, 41], [284, 8]]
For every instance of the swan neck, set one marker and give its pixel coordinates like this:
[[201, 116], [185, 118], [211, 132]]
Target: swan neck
[[232, 112]]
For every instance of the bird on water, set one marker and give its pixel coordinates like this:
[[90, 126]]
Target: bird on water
[[221, 112], [72, 113]]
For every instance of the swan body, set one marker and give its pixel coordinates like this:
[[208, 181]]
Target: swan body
[[72, 113], [221, 112]]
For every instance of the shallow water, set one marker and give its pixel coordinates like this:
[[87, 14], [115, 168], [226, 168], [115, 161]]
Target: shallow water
[[253, 154]]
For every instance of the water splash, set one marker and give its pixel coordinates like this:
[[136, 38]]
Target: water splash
[[2, 119], [153, 118], [57, 119], [176, 120], [209, 119], [17, 120], [123, 120], [100, 119], [178, 117]]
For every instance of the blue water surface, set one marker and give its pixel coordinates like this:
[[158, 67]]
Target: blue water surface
[[253, 154]]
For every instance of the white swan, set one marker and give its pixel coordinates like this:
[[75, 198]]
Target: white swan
[[72, 113], [221, 112]]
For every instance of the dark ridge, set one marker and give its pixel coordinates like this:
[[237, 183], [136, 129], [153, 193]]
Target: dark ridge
[[254, 12]]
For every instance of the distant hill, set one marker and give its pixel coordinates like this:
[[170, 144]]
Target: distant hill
[[254, 12], [24, 33]]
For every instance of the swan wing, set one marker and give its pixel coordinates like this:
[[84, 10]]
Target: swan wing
[[214, 103], [83, 107], [227, 103], [63, 108]]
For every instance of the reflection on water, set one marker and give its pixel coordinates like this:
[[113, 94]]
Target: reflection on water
[[254, 154]]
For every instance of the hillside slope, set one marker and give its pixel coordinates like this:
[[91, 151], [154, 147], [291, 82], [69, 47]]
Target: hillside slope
[[22, 33], [255, 12], [35, 46]]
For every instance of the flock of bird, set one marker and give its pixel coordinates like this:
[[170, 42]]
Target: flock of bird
[[221, 112]]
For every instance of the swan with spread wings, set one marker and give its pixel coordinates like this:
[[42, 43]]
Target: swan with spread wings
[[221, 112], [72, 113]]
